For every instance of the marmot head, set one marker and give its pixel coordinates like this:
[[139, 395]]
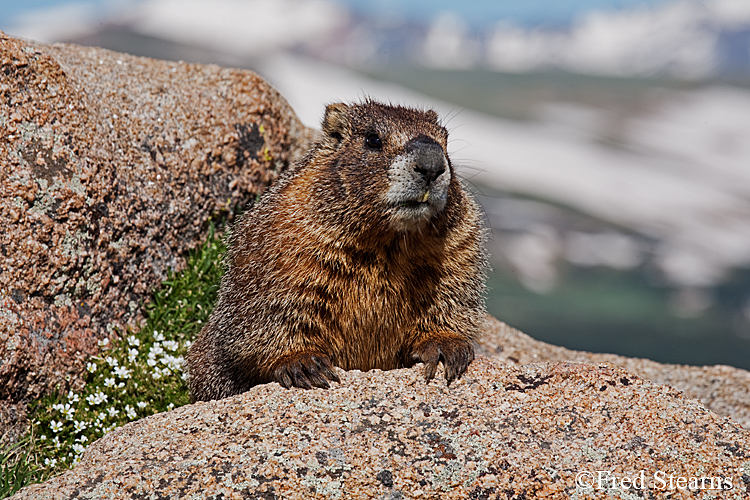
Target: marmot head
[[388, 158]]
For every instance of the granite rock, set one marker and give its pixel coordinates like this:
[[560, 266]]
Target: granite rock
[[723, 389], [112, 166], [501, 432]]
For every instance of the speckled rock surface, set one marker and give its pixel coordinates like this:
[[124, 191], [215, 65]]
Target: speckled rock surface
[[500, 432], [723, 389], [112, 166]]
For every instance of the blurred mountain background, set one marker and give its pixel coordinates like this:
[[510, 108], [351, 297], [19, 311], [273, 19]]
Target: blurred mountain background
[[607, 140]]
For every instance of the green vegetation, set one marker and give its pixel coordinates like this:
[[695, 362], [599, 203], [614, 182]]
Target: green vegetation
[[16, 468], [136, 375]]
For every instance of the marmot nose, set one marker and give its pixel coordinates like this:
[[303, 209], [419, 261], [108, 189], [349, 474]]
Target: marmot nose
[[429, 159]]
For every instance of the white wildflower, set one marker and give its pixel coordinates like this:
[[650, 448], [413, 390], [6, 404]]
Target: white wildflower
[[188, 344], [173, 363], [82, 439], [56, 426], [113, 412], [111, 361], [79, 426], [158, 336], [170, 406], [157, 374], [78, 449], [151, 362], [155, 350], [130, 412], [72, 397], [43, 437], [141, 404], [56, 442], [58, 407], [103, 343], [50, 463], [95, 399], [132, 354], [109, 382], [122, 372], [170, 345], [133, 341], [91, 367], [68, 411]]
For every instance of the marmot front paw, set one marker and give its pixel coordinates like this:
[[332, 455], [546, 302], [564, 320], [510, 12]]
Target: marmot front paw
[[455, 352], [305, 370]]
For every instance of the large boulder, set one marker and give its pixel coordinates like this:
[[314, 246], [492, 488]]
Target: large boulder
[[552, 430], [722, 389], [112, 166]]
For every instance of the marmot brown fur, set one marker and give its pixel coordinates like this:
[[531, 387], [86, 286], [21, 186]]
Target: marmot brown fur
[[367, 254]]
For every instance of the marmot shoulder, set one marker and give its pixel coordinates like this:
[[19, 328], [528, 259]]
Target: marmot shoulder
[[368, 253]]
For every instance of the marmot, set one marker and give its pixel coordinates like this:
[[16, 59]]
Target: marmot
[[368, 253]]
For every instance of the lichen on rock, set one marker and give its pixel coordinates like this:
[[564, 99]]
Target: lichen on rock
[[501, 431], [112, 166]]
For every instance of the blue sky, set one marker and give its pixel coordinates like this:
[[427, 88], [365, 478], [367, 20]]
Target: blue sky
[[481, 12], [477, 12], [11, 8]]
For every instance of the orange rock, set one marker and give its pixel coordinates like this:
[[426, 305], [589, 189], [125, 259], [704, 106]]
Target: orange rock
[[547, 430], [88, 130]]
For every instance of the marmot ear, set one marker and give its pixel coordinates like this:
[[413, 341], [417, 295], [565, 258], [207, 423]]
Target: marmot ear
[[432, 115], [335, 121]]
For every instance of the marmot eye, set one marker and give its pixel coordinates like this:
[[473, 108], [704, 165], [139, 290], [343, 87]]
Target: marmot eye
[[373, 141]]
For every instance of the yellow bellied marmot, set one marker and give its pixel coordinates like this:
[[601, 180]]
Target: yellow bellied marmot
[[367, 253]]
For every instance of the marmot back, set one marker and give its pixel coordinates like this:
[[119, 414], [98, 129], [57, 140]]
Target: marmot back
[[366, 254]]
